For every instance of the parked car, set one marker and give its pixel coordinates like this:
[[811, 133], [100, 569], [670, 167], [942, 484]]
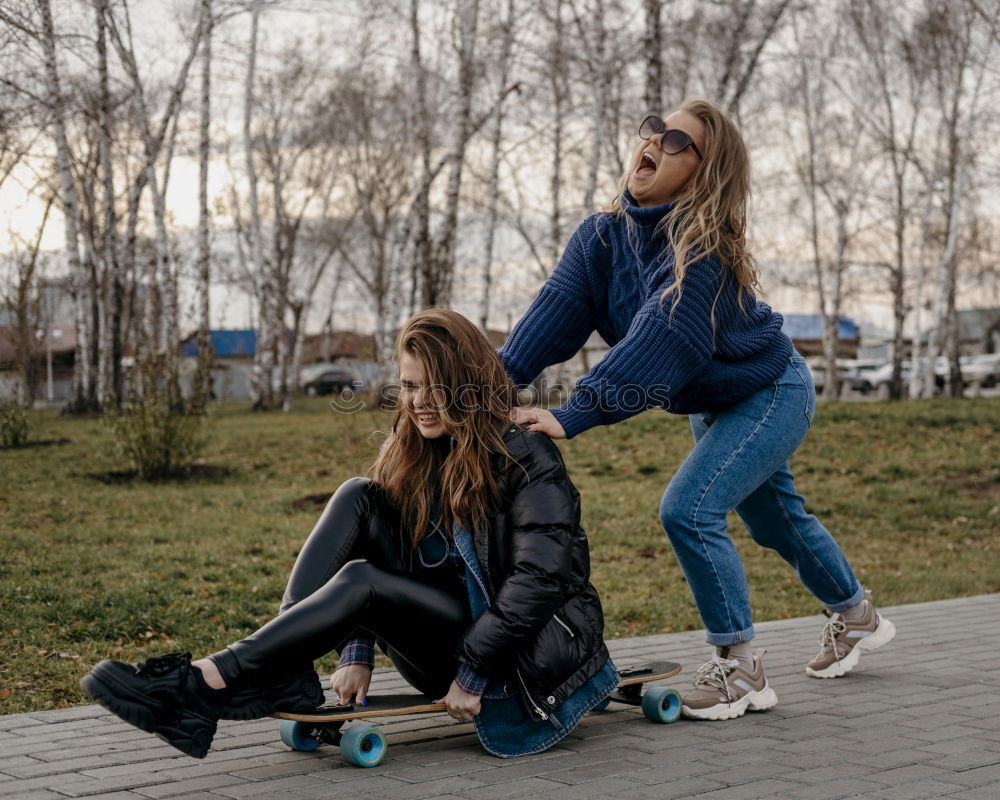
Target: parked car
[[329, 381], [880, 378], [857, 373], [852, 372], [983, 369]]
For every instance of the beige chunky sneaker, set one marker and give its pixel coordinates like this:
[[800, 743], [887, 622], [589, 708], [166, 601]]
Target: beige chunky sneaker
[[725, 690], [842, 640]]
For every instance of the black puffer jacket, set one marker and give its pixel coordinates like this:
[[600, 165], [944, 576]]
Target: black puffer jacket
[[544, 627]]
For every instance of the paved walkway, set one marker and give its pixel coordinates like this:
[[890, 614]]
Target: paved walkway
[[918, 719]]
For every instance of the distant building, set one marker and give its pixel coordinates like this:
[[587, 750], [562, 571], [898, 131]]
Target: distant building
[[876, 343], [53, 347], [806, 333], [234, 353], [978, 331]]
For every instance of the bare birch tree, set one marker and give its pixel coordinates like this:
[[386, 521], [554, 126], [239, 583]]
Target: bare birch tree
[[951, 43], [880, 37], [507, 28], [261, 379], [84, 385], [202, 384]]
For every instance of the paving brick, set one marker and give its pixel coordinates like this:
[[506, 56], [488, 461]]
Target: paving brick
[[267, 788], [981, 793], [427, 789], [675, 789], [9, 762], [40, 768], [596, 769], [755, 790], [519, 788], [15, 788], [362, 786], [443, 770], [917, 790], [979, 776], [835, 790], [18, 722], [40, 794]]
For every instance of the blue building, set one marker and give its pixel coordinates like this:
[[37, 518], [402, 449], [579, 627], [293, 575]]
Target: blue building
[[806, 332]]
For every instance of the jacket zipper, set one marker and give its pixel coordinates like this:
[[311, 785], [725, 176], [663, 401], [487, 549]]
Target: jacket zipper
[[527, 694], [556, 618]]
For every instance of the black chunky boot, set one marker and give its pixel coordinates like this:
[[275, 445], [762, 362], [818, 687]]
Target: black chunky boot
[[163, 695], [298, 692]]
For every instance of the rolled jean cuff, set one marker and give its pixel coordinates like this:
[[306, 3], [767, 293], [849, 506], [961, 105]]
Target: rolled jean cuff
[[856, 598], [727, 639]]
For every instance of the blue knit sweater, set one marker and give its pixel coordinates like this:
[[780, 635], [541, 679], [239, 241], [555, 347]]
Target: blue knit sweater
[[610, 279]]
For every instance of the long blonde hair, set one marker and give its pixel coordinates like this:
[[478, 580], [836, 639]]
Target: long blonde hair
[[470, 390], [710, 216]]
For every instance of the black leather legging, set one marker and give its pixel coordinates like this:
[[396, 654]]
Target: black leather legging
[[351, 575]]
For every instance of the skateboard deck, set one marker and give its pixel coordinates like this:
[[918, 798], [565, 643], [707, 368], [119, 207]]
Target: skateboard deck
[[365, 745]]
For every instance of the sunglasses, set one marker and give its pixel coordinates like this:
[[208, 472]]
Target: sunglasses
[[673, 140]]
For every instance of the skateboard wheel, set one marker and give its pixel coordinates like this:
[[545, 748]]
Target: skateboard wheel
[[661, 704], [603, 704], [363, 745], [296, 735]]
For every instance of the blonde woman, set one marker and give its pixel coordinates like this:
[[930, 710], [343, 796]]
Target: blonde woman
[[675, 234], [462, 557]]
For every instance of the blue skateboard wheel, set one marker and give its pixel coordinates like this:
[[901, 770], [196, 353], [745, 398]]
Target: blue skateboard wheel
[[661, 704], [295, 735], [363, 745]]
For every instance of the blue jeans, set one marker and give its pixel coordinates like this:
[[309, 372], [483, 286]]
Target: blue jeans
[[740, 461]]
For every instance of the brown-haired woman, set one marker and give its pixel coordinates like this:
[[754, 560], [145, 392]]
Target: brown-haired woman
[[462, 557], [677, 226]]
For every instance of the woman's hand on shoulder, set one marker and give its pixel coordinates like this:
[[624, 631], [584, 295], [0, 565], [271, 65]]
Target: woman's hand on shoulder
[[350, 683], [461, 705], [538, 419]]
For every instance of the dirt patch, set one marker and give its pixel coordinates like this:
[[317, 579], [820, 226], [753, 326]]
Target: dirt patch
[[984, 484], [310, 501]]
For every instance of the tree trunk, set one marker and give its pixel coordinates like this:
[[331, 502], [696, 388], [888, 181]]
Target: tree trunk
[[652, 48], [557, 79], [111, 301], [82, 374], [918, 375], [261, 379], [298, 308], [494, 190], [438, 287], [203, 371], [831, 387], [601, 76], [421, 263]]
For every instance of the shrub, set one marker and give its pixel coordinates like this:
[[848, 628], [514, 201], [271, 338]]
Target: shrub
[[157, 440], [13, 423]]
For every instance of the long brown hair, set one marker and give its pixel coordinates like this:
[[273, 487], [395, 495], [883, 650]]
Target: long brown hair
[[470, 390], [710, 216]]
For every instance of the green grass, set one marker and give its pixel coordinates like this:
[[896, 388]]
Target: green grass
[[91, 569]]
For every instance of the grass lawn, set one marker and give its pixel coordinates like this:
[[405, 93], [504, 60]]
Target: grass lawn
[[95, 566]]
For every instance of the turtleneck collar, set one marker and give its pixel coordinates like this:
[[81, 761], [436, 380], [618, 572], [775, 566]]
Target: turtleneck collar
[[644, 216]]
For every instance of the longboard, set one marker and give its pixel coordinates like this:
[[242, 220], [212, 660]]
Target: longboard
[[365, 745]]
